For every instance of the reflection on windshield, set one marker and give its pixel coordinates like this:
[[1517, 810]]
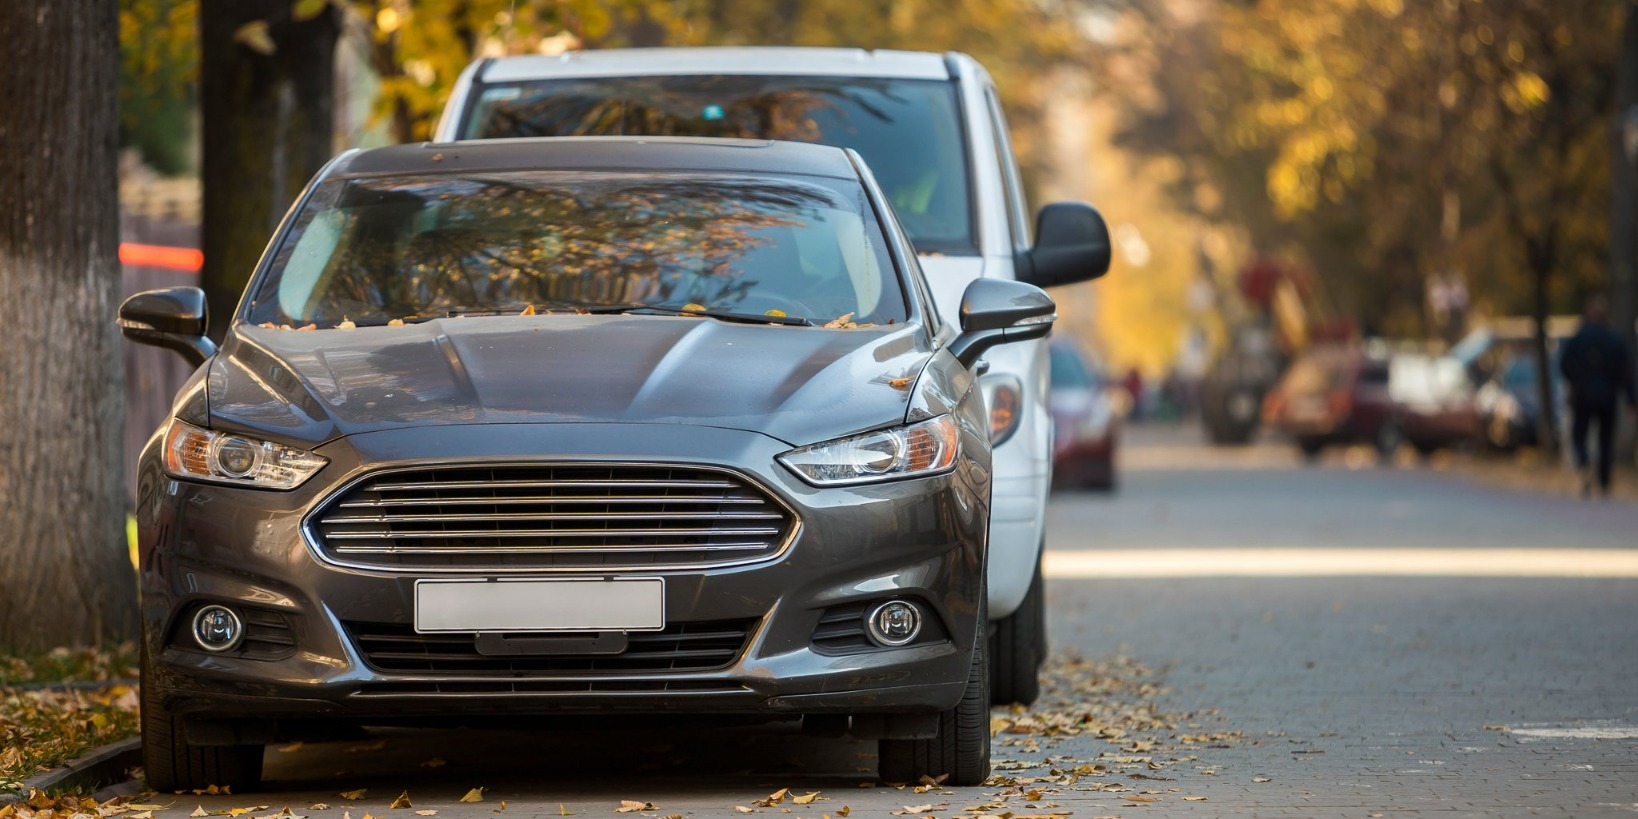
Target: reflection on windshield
[[404, 248], [906, 130]]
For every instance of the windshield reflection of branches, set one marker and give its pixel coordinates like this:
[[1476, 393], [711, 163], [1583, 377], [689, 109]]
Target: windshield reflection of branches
[[650, 110], [501, 244]]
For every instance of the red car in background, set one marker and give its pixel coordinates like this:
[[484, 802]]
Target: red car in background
[[1085, 422], [1340, 394]]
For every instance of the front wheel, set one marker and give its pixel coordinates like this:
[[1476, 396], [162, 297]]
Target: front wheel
[[962, 747], [1018, 647], [172, 763]]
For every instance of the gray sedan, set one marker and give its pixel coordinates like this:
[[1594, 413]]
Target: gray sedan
[[515, 429]]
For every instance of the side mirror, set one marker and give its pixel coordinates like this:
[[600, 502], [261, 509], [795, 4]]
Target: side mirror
[[997, 311], [173, 318], [1071, 245]]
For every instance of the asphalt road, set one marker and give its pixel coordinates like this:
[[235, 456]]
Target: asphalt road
[[1235, 633]]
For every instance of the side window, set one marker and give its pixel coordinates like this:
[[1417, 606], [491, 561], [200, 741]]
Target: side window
[[1017, 209]]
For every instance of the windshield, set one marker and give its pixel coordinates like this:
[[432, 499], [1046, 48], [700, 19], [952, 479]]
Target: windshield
[[406, 248], [906, 130]]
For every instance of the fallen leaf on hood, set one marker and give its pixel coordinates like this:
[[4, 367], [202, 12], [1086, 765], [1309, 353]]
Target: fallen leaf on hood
[[775, 313], [528, 311], [474, 795], [403, 801], [632, 806], [839, 322], [696, 309], [396, 323], [308, 328], [354, 795], [346, 324]]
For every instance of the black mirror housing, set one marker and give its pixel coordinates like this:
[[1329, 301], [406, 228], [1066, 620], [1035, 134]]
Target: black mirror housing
[[1071, 245], [997, 311], [174, 318]]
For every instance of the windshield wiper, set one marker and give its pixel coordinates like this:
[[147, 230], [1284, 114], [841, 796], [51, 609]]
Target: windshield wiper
[[724, 315]]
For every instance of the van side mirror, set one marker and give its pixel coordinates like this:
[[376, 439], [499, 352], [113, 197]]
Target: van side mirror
[[1071, 245], [997, 311], [173, 318]]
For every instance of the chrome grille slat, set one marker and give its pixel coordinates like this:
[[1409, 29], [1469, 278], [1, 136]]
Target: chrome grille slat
[[518, 517], [519, 500], [551, 516], [550, 550], [632, 484]]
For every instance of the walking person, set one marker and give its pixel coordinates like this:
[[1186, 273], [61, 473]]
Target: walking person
[[1595, 364]]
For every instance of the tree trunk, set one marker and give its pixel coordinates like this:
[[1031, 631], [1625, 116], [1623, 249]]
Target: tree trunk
[[66, 578], [266, 127], [1624, 188], [1547, 419]]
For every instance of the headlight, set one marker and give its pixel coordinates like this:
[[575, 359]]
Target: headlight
[[200, 454], [1004, 398], [925, 448]]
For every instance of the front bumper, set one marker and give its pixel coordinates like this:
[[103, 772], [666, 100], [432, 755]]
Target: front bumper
[[919, 539]]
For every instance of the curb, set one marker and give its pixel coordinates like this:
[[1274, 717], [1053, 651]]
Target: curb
[[104, 766]]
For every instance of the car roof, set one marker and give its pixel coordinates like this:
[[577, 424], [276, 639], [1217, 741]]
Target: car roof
[[602, 153], [834, 62]]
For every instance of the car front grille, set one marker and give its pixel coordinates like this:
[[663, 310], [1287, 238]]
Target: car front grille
[[398, 648], [552, 517]]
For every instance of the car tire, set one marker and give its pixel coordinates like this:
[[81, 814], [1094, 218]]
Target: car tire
[[171, 763], [1388, 439], [1018, 647], [961, 750], [1310, 448]]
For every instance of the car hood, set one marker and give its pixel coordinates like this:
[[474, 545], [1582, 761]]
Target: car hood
[[798, 384]]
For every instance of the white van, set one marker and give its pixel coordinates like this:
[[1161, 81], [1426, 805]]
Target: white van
[[931, 129]]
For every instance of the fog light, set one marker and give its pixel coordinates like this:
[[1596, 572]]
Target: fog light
[[893, 623], [217, 628]]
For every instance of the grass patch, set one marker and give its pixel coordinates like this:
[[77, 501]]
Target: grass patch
[[43, 727]]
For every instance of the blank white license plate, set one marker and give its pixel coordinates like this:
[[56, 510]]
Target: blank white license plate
[[635, 604]]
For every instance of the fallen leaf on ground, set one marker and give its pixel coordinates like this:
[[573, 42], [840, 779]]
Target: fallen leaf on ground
[[435, 762], [198, 812], [806, 798], [1261, 779], [844, 811], [318, 806], [632, 806], [563, 811], [1194, 798], [403, 801], [354, 795], [426, 813], [743, 809], [772, 799], [913, 809], [367, 747], [140, 806], [474, 795]]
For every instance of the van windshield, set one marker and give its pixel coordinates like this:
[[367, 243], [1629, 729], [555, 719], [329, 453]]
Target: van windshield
[[906, 130]]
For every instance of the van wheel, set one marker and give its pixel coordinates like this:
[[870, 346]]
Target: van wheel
[[962, 747], [1018, 647], [171, 763]]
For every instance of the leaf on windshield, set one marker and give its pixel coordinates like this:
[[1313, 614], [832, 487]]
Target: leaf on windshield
[[698, 309], [403, 801], [474, 795], [396, 323], [775, 313], [346, 324], [839, 322], [310, 327]]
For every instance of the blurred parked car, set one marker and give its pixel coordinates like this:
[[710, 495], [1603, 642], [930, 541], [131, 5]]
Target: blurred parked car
[[1084, 421], [1509, 403], [1339, 394]]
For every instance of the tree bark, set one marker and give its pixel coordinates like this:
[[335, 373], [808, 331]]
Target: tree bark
[[1624, 187], [66, 578], [267, 125]]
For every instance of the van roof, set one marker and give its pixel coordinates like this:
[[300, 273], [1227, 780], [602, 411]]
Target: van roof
[[615, 62], [601, 153]]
